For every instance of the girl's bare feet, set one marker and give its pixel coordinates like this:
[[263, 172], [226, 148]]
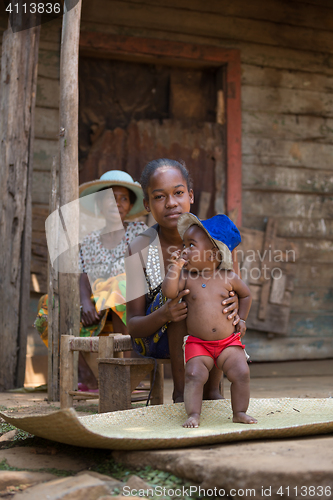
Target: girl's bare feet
[[242, 418], [193, 420]]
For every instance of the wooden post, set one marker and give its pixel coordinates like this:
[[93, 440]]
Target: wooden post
[[17, 106], [69, 173], [53, 303]]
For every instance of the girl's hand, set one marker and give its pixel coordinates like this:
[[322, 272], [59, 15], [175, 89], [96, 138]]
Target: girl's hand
[[233, 307], [241, 328], [89, 315], [176, 259], [175, 310]]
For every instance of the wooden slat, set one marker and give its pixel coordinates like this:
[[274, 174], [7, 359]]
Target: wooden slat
[[283, 204], [44, 151], [294, 227], [288, 153], [287, 179], [314, 326], [281, 100], [46, 123], [315, 300], [49, 63], [203, 23], [47, 93], [251, 53], [318, 15], [272, 77], [281, 127], [260, 348]]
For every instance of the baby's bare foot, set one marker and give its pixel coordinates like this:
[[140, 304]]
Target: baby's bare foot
[[242, 418], [192, 421]]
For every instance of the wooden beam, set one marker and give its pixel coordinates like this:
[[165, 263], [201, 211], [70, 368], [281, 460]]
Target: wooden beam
[[53, 305], [18, 96], [69, 296]]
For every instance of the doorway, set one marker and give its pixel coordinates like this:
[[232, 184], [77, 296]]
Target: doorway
[[131, 113]]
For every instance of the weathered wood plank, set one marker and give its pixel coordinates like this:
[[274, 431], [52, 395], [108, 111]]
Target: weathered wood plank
[[203, 23], [288, 153], [312, 16], [47, 93], [41, 183], [49, 63], [314, 250], [321, 275], [284, 204], [271, 178], [18, 96], [39, 216], [307, 324], [271, 77], [251, 53], [316, 300], [47, 123], [51, 31], [293, 227], [290, 127], [260, 348], [44, 150], [281, 100], [69, 295]]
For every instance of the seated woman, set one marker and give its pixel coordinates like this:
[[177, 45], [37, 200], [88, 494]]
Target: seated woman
[[101, 259]]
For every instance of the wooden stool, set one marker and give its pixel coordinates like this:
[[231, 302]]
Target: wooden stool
[[118, 378], [107, 347]]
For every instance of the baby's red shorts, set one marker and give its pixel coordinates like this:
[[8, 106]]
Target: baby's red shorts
[[197, 347]]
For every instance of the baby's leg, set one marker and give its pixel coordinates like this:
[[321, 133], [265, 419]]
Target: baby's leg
[[233, 363], [196, 375]]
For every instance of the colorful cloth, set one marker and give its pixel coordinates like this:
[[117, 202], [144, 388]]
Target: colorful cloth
[[156, 345], [107, 295], [99, 262]]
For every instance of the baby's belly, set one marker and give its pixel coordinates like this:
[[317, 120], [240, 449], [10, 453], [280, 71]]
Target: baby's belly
[[208, 324]]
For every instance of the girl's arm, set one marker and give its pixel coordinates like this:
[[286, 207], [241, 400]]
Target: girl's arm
[[89, 315], [138, 324]]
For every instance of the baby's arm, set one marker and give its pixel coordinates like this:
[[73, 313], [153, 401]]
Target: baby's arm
[[245, 300], [173, 282]]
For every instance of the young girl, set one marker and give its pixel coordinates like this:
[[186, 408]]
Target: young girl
[[158, 325]]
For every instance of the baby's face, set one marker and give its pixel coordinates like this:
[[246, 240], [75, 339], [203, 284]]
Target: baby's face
[[199, 252]]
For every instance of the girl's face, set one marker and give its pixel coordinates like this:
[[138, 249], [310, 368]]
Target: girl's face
[[168, 196], [122, 197]]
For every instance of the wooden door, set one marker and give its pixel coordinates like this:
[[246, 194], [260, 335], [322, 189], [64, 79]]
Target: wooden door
[[132, 113]]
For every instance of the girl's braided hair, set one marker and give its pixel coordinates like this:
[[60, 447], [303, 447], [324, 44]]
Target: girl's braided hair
[[153, 165]]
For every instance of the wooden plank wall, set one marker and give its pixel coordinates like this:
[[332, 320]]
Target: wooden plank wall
[[287, 111], [46, 146]]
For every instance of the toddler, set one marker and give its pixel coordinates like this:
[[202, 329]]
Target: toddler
[[204, 267]]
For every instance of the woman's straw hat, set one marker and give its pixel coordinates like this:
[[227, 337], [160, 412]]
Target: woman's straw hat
[[109, 179]]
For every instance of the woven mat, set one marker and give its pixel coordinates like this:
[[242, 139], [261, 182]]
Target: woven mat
[[161, 426]]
